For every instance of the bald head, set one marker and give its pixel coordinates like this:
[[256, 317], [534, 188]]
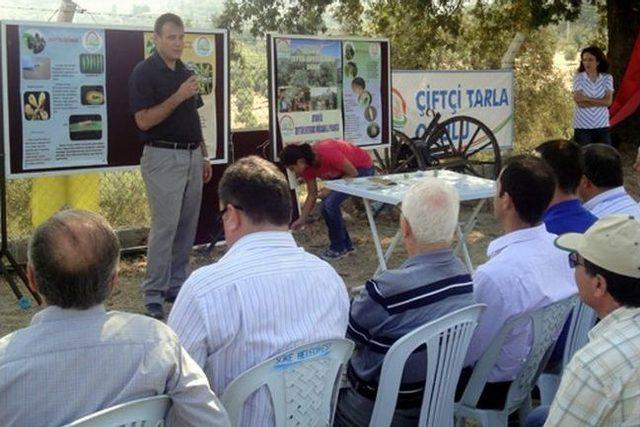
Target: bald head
[[74, 256]]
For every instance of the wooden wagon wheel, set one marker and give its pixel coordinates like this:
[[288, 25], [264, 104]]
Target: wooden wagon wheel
[[466, 145], [404, 155]]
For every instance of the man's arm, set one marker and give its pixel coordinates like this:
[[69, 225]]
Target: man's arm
[[153, 116], [205, 328], [193, 402], [365, 316], [207, 172], [491, 320], [581, 398]]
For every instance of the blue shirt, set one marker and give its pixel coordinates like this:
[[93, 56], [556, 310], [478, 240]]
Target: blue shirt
[[568, 217]]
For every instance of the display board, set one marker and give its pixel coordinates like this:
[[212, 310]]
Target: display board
[[323, 88], [484, 95], [65, 99]]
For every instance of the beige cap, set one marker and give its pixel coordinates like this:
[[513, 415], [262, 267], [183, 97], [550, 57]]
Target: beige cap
[[612, 243]]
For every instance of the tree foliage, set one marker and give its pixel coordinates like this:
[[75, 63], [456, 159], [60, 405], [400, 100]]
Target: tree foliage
[[283, 16], [448, 34]]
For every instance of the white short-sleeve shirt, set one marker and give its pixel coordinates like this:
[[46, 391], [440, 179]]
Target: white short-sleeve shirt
[[592, 117]]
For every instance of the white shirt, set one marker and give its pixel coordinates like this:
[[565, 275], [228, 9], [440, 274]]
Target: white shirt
[[525, 272], [614, 201], [264, 296], [592, 117], [71, 363]]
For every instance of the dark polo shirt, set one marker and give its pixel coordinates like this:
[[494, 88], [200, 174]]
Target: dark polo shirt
[[150, 84]]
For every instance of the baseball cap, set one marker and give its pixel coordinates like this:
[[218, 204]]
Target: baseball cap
[[612, 243]]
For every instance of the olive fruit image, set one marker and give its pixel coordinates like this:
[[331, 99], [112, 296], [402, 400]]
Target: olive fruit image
[[36, 106], [91, 95], [34, 41]]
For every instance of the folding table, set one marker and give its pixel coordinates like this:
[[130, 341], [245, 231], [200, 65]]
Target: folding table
[[390, 189]]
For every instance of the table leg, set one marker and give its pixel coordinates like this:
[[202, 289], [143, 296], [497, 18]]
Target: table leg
[[389, 251], [463, 233], [382, 264]]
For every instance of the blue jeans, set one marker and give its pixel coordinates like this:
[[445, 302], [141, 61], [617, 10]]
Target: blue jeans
[[330, 209], [592, 136], [537, 417]]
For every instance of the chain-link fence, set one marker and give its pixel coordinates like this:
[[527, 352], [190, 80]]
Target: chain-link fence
[[120, 195]]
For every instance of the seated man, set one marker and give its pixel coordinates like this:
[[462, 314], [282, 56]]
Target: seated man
[[265, 295], [601, 188], [76, 358], [601, 384], [565, 212], [432, 282], [525, 271]]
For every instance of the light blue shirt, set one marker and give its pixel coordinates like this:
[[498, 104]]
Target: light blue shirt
[[614, 201], [525, 271], [71, 363]]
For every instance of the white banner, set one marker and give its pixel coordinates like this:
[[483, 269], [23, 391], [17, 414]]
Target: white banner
[[483, 95]]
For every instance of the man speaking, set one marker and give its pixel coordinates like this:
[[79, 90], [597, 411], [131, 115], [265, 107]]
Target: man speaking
[[163, 95]]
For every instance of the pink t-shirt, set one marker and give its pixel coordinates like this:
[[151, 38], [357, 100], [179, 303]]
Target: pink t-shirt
[[331, 154]]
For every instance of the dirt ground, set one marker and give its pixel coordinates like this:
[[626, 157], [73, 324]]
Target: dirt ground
[[354, 269]]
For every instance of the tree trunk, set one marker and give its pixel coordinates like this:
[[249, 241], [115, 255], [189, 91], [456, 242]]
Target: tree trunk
[[623, 21]]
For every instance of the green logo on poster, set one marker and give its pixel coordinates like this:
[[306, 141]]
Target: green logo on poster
[[203, 46], [92, 41]]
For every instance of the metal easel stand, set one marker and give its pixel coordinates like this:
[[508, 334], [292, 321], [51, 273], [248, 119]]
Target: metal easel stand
[[23, 302]]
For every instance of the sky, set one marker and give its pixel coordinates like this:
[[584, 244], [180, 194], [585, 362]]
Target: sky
[[110, 11]]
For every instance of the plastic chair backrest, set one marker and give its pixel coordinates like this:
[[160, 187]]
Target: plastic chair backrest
[[303, 383], [582, 320], [547, 322], [148, 412], [447, 340]]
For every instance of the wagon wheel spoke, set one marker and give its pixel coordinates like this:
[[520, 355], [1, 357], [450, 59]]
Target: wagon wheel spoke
[[482, 147], [473, 138]]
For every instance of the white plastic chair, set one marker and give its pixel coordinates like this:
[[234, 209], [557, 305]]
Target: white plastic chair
[[447, 340], [582, 320], [303, 383], [547, 322], [149, 412]]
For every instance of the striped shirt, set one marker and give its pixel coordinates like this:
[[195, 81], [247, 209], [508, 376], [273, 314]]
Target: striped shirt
[[525, 271], [601, 384], [70, 363], [592, 117], [264, 296], [614, 201], [424, 288]]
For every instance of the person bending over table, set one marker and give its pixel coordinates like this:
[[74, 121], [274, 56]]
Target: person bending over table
[[327, 159]]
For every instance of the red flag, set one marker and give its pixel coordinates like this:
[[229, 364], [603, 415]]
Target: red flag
[[627, 97]]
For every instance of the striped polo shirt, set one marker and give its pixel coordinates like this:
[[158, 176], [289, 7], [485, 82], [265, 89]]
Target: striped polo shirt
[[425, 288], [592, 117]]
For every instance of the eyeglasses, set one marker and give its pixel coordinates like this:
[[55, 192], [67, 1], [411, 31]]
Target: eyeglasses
[[575, 260], [224, 211]]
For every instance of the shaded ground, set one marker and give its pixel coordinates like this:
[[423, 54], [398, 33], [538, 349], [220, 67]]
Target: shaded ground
[[355, 269]]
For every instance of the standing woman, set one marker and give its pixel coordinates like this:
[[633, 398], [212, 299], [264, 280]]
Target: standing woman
[[328, 159], [592, 93]]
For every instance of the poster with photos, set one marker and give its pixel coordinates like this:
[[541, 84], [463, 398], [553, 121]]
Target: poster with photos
[[63, 97], [362, 82], [308, 88]]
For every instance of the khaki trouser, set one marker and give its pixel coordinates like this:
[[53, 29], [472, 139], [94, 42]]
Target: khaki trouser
[[173, 181]]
